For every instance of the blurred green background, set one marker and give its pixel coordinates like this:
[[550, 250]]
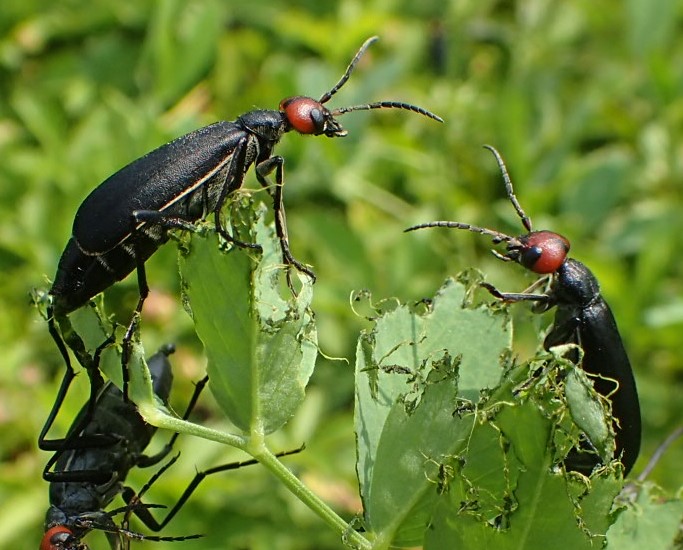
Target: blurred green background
[[583, 99]]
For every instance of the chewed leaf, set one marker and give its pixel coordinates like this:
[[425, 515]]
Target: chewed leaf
[[651, 522], [508, 495], [459, 448], [260, 341], [413, 374], [588, 412]]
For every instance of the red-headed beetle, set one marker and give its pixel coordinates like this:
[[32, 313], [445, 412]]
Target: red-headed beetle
[[124, 220], [582, 317]]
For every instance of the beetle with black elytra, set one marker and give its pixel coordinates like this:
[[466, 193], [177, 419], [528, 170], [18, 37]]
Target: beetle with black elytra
[[90, 472], [582, 317], [124, 220]]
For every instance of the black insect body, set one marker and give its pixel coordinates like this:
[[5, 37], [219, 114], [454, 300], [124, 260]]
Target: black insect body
[[89, 473], [126, 218], [582, 317], [87, 478]]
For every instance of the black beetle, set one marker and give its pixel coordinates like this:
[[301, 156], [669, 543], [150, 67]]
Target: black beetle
[[123, 220], [90, 472], [582, 317], [127, 217], [87, 478]]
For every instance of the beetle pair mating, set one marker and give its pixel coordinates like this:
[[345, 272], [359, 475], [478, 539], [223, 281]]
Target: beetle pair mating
[[128, 217], [582, 317], [125, 220]]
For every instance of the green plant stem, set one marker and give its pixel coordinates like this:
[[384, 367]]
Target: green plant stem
[[161, 419], [305, 495]]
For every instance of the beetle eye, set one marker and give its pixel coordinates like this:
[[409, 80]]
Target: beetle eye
[[318, 118], [58, 537], [529, 256]]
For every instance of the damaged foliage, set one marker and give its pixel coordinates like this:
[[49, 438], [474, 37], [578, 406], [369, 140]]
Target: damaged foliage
[[460, 447]]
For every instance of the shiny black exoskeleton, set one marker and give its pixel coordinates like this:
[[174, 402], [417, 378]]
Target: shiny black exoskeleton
[[582, 317], [87, 478], [127, 217], [90, 472]]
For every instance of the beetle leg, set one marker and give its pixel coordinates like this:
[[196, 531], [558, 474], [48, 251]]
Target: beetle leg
[[91, 365], [234, 177], [155, 217], [69, 375], [137, 221], [127, 342], [564, 330], [510, 297], [262, 170], [143, 461], [135, 505]]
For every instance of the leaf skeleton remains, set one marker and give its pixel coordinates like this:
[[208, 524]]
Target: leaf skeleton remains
[[582, 317]]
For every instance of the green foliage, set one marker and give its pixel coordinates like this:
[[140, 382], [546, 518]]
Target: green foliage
[[649, 520], [587, 412], [457, 447], [413, 371], [583, 99]]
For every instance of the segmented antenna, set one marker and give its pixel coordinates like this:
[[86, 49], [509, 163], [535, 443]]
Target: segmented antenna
[[526, 221], [369, 106], [387, 105], [498, 237], [327, 95]]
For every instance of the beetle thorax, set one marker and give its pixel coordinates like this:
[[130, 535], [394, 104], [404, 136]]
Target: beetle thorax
[[575, 284], [266, 125]]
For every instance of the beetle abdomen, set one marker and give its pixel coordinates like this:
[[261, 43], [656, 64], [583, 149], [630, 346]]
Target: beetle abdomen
[[81, 276]]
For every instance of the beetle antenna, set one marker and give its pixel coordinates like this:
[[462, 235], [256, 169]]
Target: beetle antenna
[[526, 221], [498, 237], [387, 105], [368, 106], [327, 95]]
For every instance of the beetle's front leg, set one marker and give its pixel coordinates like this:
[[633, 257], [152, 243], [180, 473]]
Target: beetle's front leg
[[262, 170], [511, 297], [234, 178]]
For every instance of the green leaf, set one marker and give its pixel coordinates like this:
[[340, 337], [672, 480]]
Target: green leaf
[[508, 496], [89, 327], [588, 412], [260, 346], [651, 522], [409, 384], [141, 390], [457, 451]]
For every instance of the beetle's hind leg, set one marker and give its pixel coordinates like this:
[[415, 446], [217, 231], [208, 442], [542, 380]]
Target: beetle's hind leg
[[151, 225]]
